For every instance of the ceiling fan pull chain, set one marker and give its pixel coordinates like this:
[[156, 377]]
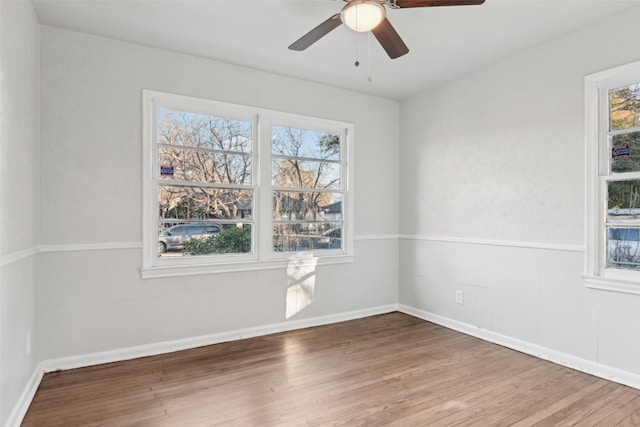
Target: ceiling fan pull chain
[[357, 63], [369, 78]]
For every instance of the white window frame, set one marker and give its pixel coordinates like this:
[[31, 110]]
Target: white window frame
[[597, 87], [263, 255]]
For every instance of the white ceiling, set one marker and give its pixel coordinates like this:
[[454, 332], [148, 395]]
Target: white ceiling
[[444, 42]]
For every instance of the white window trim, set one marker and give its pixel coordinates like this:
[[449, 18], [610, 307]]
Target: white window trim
[[597, 85], [263, 257]]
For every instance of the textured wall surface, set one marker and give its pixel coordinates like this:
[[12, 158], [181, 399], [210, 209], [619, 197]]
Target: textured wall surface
[[19, 124], [92, 187], [492, 201]]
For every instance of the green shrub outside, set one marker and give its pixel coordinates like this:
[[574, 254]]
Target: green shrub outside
[[229, 241]]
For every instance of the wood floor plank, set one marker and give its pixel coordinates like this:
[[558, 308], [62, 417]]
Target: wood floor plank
[[630, 410], [387, 370], [588, 409]]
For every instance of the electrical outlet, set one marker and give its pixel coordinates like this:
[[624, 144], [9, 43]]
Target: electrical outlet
[[459, 296], [28, 343]]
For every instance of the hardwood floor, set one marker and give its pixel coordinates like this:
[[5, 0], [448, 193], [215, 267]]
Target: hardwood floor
[[391, 369]]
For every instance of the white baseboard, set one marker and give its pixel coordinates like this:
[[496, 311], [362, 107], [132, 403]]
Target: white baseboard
[[81, 361], [153, 349], [590, 367], [20, 409], [72, 362]]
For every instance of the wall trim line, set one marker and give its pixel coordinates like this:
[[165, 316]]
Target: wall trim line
[[377, 237], [17, 256], [108, 246], [89, 247], [579, 364], [488, 242], [77, 247]]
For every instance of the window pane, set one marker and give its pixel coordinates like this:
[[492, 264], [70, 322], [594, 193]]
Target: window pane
[[623, 200], [623, 248], [625, 152], [203, 131], [194, 239], [197, 203], [307, 206], [624, 107], [307, 237], [306, 174], [294, 142], [203, 166]]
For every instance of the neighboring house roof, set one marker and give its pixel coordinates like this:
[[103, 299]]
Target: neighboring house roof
[[333, 208]]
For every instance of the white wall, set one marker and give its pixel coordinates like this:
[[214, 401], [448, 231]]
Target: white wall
[[492, 200], [491, 157], [94, 300], [19, 73]]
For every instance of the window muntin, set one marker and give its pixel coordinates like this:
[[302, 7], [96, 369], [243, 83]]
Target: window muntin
[[224, 166]]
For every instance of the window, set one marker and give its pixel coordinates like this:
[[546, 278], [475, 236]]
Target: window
[[307, 194], [204, 183], [229, 187], [613, 181]]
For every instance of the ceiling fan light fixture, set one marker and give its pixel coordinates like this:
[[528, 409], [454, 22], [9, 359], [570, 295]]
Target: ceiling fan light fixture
[[362, 16]]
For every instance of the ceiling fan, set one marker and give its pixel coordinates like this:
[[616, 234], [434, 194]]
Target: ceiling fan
[[370, 15]]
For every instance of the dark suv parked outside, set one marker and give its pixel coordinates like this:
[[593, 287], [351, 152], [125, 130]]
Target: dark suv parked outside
[[176, 236]]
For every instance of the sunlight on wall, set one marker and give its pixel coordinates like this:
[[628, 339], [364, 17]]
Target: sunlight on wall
[[302, 285]]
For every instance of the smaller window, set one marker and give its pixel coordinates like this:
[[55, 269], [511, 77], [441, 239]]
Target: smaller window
[[307, 189], [205, 176], [613, 177]]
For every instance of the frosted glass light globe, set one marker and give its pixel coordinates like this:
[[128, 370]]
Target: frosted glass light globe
[[362, 16]]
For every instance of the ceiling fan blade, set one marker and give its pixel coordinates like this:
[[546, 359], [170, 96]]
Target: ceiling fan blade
[[390, 39], [402, 4], [317, 33]]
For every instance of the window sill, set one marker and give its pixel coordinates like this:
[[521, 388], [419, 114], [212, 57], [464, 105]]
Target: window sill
[[612, 284], [234, 267]]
